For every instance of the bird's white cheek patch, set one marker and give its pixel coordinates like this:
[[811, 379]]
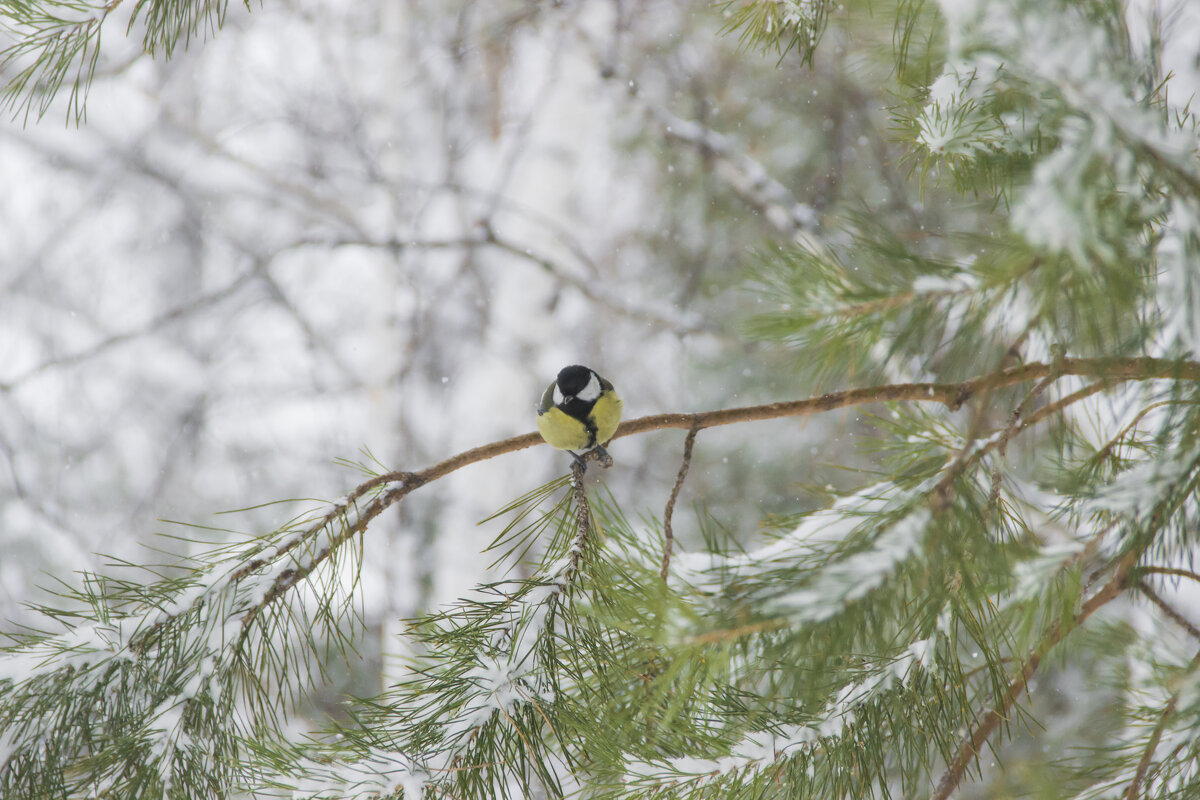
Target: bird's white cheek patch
[[591, 392], [558, 395]]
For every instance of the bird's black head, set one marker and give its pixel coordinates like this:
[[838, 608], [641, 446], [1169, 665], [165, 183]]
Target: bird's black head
[[572, 379]]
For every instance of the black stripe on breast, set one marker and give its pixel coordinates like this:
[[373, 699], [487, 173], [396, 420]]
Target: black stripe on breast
[[582, 410]]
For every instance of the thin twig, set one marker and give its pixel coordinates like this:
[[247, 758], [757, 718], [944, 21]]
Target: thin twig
[[668, 532], [1063, 402], [168, 317], [1154, 597], [1010, 429], [1108, 448], [487, 237], [1175, 571]]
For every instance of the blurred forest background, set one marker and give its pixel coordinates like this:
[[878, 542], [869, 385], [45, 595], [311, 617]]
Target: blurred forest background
[[373, 231], [337, 226]]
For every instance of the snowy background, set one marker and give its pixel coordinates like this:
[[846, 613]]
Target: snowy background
[[337, 226], [341, 226]]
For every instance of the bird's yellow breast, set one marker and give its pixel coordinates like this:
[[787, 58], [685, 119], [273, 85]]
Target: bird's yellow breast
[[606, 414], [561, 430], [565, 432]]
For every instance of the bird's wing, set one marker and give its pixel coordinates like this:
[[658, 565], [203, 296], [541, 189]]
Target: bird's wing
[[547, 402]]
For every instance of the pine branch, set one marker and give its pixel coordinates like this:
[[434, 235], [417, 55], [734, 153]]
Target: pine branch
[[483, 706], [224, 610], [583, 516], [971, 746], [1143, 767], [951, 395], [1175, 571], [1172, 703], [57, 43], [1123, 576]]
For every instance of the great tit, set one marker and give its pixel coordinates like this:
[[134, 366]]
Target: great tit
[[579, 410]]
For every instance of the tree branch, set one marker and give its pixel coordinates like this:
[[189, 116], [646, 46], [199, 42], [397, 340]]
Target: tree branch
[[952, 395], [1143, 767], [670, 509], [747, 178], [1165, 607], [168, 317], [1172, 571], [973, 743]]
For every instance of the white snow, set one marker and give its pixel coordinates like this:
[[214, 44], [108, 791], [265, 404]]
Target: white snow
[[935, 284], [1134, 493], [852, 578], [1178, 254], [79, 647], [759, 749], [501, 682], [379, 772], [840, 582], [1032, 576], [703, 569]]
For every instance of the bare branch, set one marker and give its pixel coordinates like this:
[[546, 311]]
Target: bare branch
[[745, 177], [668, 532], [485, 236], [1010, 429], [1154, 597], [162, 320]]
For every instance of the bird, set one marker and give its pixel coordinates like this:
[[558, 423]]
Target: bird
[[579, 411]]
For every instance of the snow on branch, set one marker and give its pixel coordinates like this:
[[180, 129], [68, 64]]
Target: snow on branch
[[171, 673], [507, 671], [1022, 77], [487, 681], [1178, 253], [899, 517], [756, 751]]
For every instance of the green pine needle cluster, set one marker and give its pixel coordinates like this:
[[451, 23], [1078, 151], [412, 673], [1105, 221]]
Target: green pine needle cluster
[[889, 644]]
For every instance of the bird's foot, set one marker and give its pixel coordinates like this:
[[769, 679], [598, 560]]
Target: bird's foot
[[602, 456], [597, 453]]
